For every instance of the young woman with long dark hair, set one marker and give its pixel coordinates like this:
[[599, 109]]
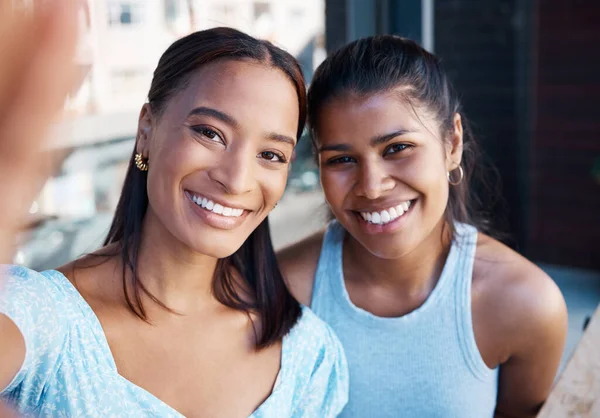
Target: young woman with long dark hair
[[184, 310]]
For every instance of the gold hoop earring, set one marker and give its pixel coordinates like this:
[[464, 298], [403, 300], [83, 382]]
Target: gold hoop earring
[[141, 163], [462, 175]]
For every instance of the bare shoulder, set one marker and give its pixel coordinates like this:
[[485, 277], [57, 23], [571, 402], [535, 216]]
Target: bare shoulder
[[521, 302], [298, 262], [501, 272], [95, 274]]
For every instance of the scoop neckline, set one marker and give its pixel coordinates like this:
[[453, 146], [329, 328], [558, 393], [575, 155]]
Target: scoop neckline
[[98, 331], [338, 286]]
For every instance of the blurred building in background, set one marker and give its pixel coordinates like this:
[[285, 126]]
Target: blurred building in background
[[123, 39]]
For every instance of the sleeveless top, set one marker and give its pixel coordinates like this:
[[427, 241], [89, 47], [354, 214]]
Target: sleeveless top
[[423, 364], [69, 370]]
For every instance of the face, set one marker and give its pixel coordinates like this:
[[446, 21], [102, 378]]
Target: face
[[384, 170], [219, 154]]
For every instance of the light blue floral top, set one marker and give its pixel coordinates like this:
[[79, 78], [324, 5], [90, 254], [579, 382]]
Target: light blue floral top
[[69, 370]]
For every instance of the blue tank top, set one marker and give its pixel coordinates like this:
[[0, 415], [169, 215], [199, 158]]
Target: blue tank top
[[423, 364]]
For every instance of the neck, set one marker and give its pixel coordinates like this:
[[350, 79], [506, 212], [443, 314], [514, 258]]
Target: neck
[[411, 275], [171, 271]]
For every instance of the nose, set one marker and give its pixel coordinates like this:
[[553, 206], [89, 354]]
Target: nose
[[234, 171], [373, 180]]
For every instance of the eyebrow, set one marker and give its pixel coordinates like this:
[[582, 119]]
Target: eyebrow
[[282, 138], [214, 113], [377, 140], [224, 117], [382, 139]]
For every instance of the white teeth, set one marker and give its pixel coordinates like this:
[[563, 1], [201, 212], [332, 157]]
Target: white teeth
[[376, 218], [216, 207], [387, 215], [400, 209]]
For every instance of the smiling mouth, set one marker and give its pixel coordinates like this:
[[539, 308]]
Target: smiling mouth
[[213, 207], [387, 215]]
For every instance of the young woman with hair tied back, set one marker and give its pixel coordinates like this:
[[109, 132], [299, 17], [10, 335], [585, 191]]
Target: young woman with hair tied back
[[184, 310], [437, 318]]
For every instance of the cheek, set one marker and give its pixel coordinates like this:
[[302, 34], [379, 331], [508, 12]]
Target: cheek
[[272, 184], [173, 160], [335, 186], [428, 178], [426, 173]]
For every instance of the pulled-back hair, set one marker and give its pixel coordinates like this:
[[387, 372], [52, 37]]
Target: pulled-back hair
[[386, 63]]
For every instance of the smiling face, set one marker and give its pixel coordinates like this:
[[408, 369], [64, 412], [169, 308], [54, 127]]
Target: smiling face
[[384, 170], [219, 154]]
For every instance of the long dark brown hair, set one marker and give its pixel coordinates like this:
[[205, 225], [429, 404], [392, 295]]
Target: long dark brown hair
[[262, 292]]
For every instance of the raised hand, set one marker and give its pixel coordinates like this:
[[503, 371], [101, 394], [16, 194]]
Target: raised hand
[[36, 74]]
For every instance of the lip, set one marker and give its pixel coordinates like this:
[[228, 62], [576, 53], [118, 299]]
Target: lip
[[373, 229], [213, 219]]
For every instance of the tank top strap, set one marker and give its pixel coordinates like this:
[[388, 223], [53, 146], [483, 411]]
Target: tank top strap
[[328, 281], [466, 243]]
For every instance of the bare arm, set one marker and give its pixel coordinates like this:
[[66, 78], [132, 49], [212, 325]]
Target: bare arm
[[13, 351], [298, 262], [537, 342], [36, 73]]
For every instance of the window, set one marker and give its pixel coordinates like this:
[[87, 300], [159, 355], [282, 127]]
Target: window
[[260, 9], [122, 13], [172, 10]]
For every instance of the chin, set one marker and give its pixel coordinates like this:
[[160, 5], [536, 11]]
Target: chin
[[386, 253], [216, 248], [215, 244], [387, 249]]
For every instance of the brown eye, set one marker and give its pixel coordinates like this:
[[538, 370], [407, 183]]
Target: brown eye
[[208, 133], [396, 148], [272, 156], [344, 159]]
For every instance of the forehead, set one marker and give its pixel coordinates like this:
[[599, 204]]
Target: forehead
[[241, 89], [355, 116]]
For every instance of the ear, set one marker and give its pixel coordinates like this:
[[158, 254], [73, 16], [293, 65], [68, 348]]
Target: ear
[[454, 149], [144, 132]]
